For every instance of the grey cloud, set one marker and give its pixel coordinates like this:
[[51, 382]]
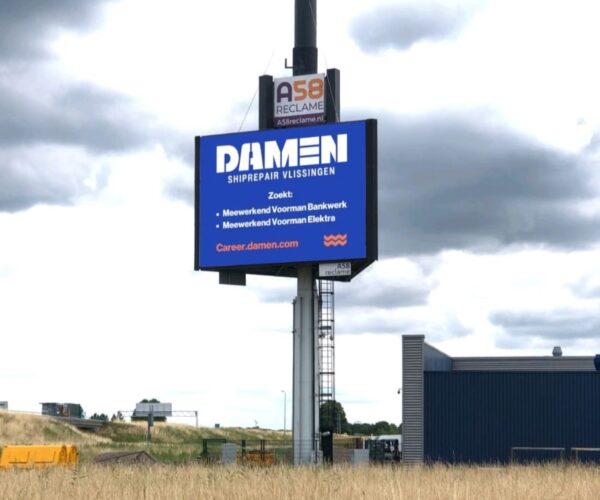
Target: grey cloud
[[594, 144], [587, 288], [565, 325], [373, 321], [180, 145], [401, 26], [80, 116], [453, 181], [373, 295], [591, 292], [181, 190], [27, 25], [45, 174], [277, 292], [84, 115], [362, 323], [376, 294]]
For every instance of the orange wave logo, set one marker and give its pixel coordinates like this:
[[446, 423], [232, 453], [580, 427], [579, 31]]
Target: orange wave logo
[[335, 240]]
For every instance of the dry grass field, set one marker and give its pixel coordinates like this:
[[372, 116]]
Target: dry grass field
[[182, 476], [32, 429], [197, 481]]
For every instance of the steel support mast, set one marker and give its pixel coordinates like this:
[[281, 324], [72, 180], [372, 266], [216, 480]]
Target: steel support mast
[[305, 407]]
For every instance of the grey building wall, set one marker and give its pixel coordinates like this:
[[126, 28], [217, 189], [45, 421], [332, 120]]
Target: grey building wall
[[412, 398], [477, 417]]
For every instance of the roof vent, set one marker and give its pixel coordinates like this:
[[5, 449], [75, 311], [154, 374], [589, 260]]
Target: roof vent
[[557, 351]]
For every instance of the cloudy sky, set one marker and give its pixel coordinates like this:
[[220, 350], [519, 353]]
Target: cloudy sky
[[489, 187]]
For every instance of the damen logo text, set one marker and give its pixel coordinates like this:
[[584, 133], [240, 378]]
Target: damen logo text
[[306, 151]]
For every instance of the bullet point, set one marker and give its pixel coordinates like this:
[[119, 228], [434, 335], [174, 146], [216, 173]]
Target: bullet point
[[217, 226], [218, 214]]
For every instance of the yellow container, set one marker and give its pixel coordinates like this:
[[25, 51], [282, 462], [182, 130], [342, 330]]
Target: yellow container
[[39, 456], [72, 455]]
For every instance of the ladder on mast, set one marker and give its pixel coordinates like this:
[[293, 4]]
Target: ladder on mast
[[326, 346]]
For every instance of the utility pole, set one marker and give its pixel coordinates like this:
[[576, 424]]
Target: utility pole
[[284, 411], [150, 424]]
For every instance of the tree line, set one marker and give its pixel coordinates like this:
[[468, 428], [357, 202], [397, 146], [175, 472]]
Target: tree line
[[333, 419]]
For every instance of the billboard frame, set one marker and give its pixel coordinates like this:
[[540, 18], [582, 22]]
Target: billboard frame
[[289, 269]]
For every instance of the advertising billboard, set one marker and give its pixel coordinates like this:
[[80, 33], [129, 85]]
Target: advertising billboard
[[299, 100], [287, 196], [157, 409]]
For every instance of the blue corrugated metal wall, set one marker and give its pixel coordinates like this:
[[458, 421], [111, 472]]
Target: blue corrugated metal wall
[[478, 416]]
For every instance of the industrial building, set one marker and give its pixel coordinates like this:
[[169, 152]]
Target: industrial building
[[494, 409], [71, 410]]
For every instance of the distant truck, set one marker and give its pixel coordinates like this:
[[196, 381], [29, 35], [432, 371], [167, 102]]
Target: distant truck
[[385, 449]]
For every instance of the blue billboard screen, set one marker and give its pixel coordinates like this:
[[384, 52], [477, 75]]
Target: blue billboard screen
[[294, 195]]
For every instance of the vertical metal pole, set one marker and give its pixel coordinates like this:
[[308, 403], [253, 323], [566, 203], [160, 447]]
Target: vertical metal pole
[[305, 37], [304, 411], [296, 379], [150, 423], [305, 395], [284, 411]]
